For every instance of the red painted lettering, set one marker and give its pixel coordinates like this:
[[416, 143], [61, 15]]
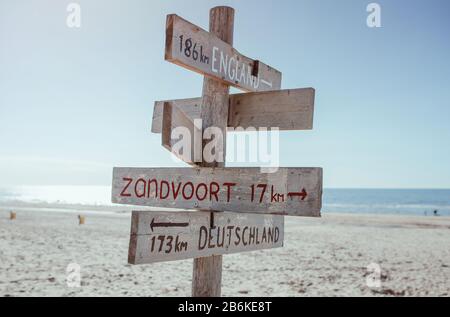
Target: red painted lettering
[[238, 236], [166, 195], [214, 192], [175, 191], [201, 185], [136, 192], [229, 185], [184, 191], [123, 193], [149, 187], [263, 192], [243, 235]]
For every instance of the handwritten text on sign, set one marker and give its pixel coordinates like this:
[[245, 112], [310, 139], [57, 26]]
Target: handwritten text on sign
[[190, 46], [290, 191], [167, 236]]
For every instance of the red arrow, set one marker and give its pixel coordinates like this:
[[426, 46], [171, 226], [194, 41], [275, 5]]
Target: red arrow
[[154, 224], [301, 194]]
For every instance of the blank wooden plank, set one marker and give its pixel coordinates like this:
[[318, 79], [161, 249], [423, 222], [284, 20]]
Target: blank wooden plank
[[289, 191], [170, 236], [194, 48], [291, 109]]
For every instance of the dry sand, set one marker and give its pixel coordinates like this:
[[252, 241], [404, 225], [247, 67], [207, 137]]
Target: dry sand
[[321, 257]]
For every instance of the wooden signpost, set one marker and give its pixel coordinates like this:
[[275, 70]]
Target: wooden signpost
[[238, 209], [169, 236]]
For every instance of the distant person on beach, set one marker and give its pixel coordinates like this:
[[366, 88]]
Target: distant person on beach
[[436, 213]]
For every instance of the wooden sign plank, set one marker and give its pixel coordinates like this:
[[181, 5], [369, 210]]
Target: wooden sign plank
[[170, 236], [289, 191], [192, 47], [291, 109]]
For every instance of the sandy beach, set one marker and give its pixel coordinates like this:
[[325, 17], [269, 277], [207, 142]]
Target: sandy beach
[[321, 257]]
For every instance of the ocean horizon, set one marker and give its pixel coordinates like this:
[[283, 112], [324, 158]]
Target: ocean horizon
[[419, 202]]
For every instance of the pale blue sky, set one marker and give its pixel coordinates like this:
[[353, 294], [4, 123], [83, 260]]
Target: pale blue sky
[[76, 102]]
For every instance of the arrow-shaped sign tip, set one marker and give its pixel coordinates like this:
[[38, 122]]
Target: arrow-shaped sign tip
[[152, 224], [304, 194]]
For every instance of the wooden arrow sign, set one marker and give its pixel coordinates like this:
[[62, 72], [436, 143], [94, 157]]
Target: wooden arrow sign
[[291, 109], [192, 47], [289, 191], [169, 236]]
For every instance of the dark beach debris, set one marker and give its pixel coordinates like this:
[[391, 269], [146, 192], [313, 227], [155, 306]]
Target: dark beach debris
[[390, 292]]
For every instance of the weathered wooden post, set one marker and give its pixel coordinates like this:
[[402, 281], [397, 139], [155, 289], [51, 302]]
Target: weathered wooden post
[[207, 272]]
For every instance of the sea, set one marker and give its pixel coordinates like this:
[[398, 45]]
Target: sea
[[419, 202]]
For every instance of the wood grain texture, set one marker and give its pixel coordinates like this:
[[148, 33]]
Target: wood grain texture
[[289, 191], [215, 56], [207, 276], [171, 236], [291, 109]]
